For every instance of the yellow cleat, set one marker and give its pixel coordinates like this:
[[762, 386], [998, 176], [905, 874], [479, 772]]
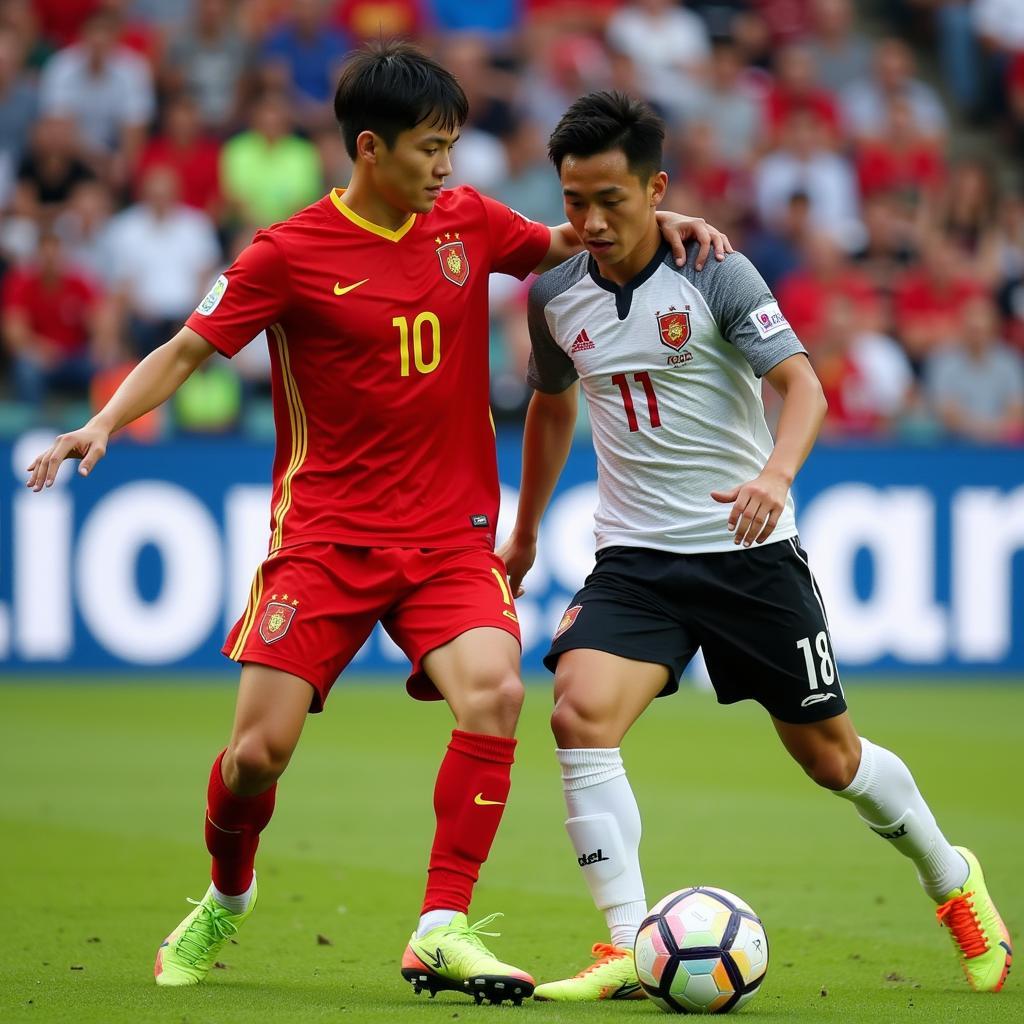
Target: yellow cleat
[[981, 938], [611, 976], [454, 957]]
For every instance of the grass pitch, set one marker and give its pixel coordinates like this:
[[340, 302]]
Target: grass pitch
[[101, 825]]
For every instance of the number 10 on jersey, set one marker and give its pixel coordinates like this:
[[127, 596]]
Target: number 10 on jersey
[[425, 319]]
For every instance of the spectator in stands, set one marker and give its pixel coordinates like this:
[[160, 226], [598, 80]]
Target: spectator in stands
[[841, 54], [795, 89], [303, 56], [999, 25], [929, 299], [61, 22], [209, 59], [52, 325], [719, 190], [787, 20], [565, 67], [18, 102], [865, 102], [496, 18], [107, 89], [901, 158], [777, 249], [268, 172], [51, 168], [802, 163], [729, 103], [528, 185], [805, 295], [84, 227], [865, 375], [887, 248], [976, 385], [967, 213], [190, 151], [162, 258], [669, 47]]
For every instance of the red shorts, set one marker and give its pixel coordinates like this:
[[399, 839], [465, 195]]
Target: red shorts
[[312, 606]]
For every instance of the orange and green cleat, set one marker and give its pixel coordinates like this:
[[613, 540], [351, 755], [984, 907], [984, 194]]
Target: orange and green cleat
[[454, 957], [611, 976], [189, 953], [981, 938]]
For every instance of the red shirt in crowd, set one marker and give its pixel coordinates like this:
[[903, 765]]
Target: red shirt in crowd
[[380, 371], [805, 298], [880, 168], [197, 167], [921, 306], [57, 310]]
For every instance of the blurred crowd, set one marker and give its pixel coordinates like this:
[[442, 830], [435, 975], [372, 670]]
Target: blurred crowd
[[143, 141]]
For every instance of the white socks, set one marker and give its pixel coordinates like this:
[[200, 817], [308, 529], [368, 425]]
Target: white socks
[[236, 904], [604, 828], [890, 804], [433, 919]]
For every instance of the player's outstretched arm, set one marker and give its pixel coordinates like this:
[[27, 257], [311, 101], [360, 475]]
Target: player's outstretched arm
[[152, 382], [676, 227], [547, 438], [757, 504]]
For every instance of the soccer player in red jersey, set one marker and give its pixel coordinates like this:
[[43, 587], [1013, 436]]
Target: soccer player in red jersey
[[385, 493]]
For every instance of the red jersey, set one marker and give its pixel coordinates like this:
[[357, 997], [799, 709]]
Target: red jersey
[[379, 351]]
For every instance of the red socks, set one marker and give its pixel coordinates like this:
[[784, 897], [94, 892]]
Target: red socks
[[233, 827], [469, 799]]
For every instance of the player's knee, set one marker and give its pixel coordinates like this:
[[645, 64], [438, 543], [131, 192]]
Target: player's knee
[[497, 696], [254, 760], [832, 766], [576, 725]]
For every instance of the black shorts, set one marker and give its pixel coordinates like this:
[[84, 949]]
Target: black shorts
[[756, 613]]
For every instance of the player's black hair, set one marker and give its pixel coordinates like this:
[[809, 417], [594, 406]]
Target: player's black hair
[[604, 121], [389, 87]]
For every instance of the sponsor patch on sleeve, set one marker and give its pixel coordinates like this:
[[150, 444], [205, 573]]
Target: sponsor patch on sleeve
[[213, 296], [769, 320]]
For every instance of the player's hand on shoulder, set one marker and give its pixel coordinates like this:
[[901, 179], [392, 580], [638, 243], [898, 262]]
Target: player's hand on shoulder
[[518, 555], [678, 228], [756, 507], [88, 443]]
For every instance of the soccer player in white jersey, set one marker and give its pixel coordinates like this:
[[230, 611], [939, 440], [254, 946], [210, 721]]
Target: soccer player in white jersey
[[696, 535]]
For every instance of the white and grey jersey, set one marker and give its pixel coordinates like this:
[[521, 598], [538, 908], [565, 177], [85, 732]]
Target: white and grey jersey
[[670, 364]]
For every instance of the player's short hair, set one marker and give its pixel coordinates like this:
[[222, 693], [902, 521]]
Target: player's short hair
[[604, 121], [389, 87]]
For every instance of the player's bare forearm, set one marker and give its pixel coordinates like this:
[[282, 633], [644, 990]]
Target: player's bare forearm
[[758, 504], [564, 243], [803, 412], [547, 438], [152, 382]]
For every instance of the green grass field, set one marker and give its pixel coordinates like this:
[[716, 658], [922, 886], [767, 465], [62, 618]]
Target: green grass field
[[101, 825]]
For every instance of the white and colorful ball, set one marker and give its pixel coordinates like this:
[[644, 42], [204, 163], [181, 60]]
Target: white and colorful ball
[[701, 950]]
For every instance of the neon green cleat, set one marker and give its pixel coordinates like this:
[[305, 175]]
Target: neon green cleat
[[611, 976], [977, 929], [190, 951], [454, 957]]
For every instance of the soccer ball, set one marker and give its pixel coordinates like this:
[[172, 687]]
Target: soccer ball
[[701, 950]]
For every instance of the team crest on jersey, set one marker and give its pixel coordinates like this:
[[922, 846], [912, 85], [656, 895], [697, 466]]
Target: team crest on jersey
[[570, 616], [674, 327], [451, 254], [277, 618]]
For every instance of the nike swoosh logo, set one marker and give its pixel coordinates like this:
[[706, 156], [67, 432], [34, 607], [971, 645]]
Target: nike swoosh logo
[[481, 802], [338, 290]]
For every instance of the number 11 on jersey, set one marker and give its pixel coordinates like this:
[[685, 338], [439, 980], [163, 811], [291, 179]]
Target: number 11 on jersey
[[644, 378]]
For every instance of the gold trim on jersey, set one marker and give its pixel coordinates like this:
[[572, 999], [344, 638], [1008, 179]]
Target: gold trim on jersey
[[300, 439], [251, 608], [367, 225]]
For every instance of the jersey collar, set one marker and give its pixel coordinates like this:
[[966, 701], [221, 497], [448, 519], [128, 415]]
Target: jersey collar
[[624, 293], [374, 229]]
